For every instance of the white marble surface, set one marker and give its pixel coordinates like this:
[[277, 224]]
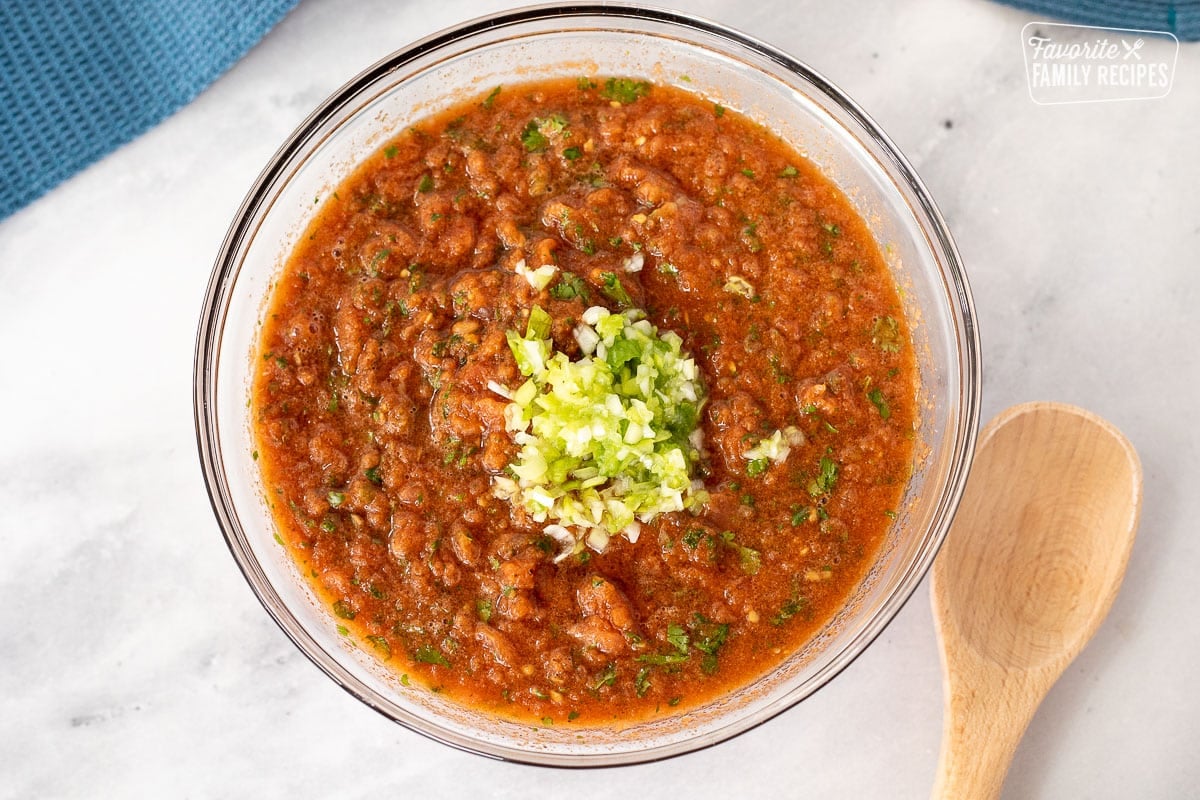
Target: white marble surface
[[134, 660]]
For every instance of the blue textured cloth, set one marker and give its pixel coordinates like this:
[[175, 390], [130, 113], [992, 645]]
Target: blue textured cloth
[[78, 78], [1181, 19]]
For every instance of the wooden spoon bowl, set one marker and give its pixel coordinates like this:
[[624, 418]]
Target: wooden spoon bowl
[[1027, 573]]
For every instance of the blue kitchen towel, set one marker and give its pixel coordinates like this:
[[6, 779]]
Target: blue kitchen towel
[[1181, 19], [79, 78]]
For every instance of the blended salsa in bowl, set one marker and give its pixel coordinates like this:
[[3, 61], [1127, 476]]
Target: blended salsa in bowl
[[586, 385]]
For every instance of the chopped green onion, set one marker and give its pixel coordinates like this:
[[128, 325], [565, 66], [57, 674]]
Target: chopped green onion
[[608, 441]]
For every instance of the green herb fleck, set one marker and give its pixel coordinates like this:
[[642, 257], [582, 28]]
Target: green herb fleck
[[718, 109], [572, 153], [677, 637], [613, 290], [568, 287], [381, 644], [428, 654], [607, 677], [425, 185], [390, 151], [788, 610], [641, 684], [749, 173], [344, 611], [336, 498], [533, 139], [625, 90], [708, 637], [826, 477], [491, 98], [373, 476], [877, 399], [789, 172], [483, 607], [757, 467], [749, 559], [662, 659]]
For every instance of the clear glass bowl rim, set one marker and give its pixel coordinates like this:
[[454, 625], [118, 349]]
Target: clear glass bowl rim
[[227, 263]]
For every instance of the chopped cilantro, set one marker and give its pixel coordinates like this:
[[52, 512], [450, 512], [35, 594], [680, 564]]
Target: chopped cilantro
[[344, 611], [568, 287], [483, 607], [491, 98], [641, 684], [788, 610], [708, 637], [428, 654], [390, 151], [607, 677], [826, 477], [336, 498], [533, 139], [381, 644], [662, 659], [613, 290], [373, 476], [718, 109], [757, 466], [624, 90], [572, 153], [877, 399], [677, 637], [749, 559], [789, 172], [425, 185]]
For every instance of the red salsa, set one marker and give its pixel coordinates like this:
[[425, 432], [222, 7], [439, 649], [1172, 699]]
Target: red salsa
[[380, 437]]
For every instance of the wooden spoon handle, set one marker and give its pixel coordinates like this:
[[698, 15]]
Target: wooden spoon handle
[[979, 737]]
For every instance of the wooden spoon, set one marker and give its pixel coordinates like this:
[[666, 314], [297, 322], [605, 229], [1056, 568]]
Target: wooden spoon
[[1027, 573]]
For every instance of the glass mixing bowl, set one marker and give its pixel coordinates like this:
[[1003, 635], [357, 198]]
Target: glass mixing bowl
[[568, 40]]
